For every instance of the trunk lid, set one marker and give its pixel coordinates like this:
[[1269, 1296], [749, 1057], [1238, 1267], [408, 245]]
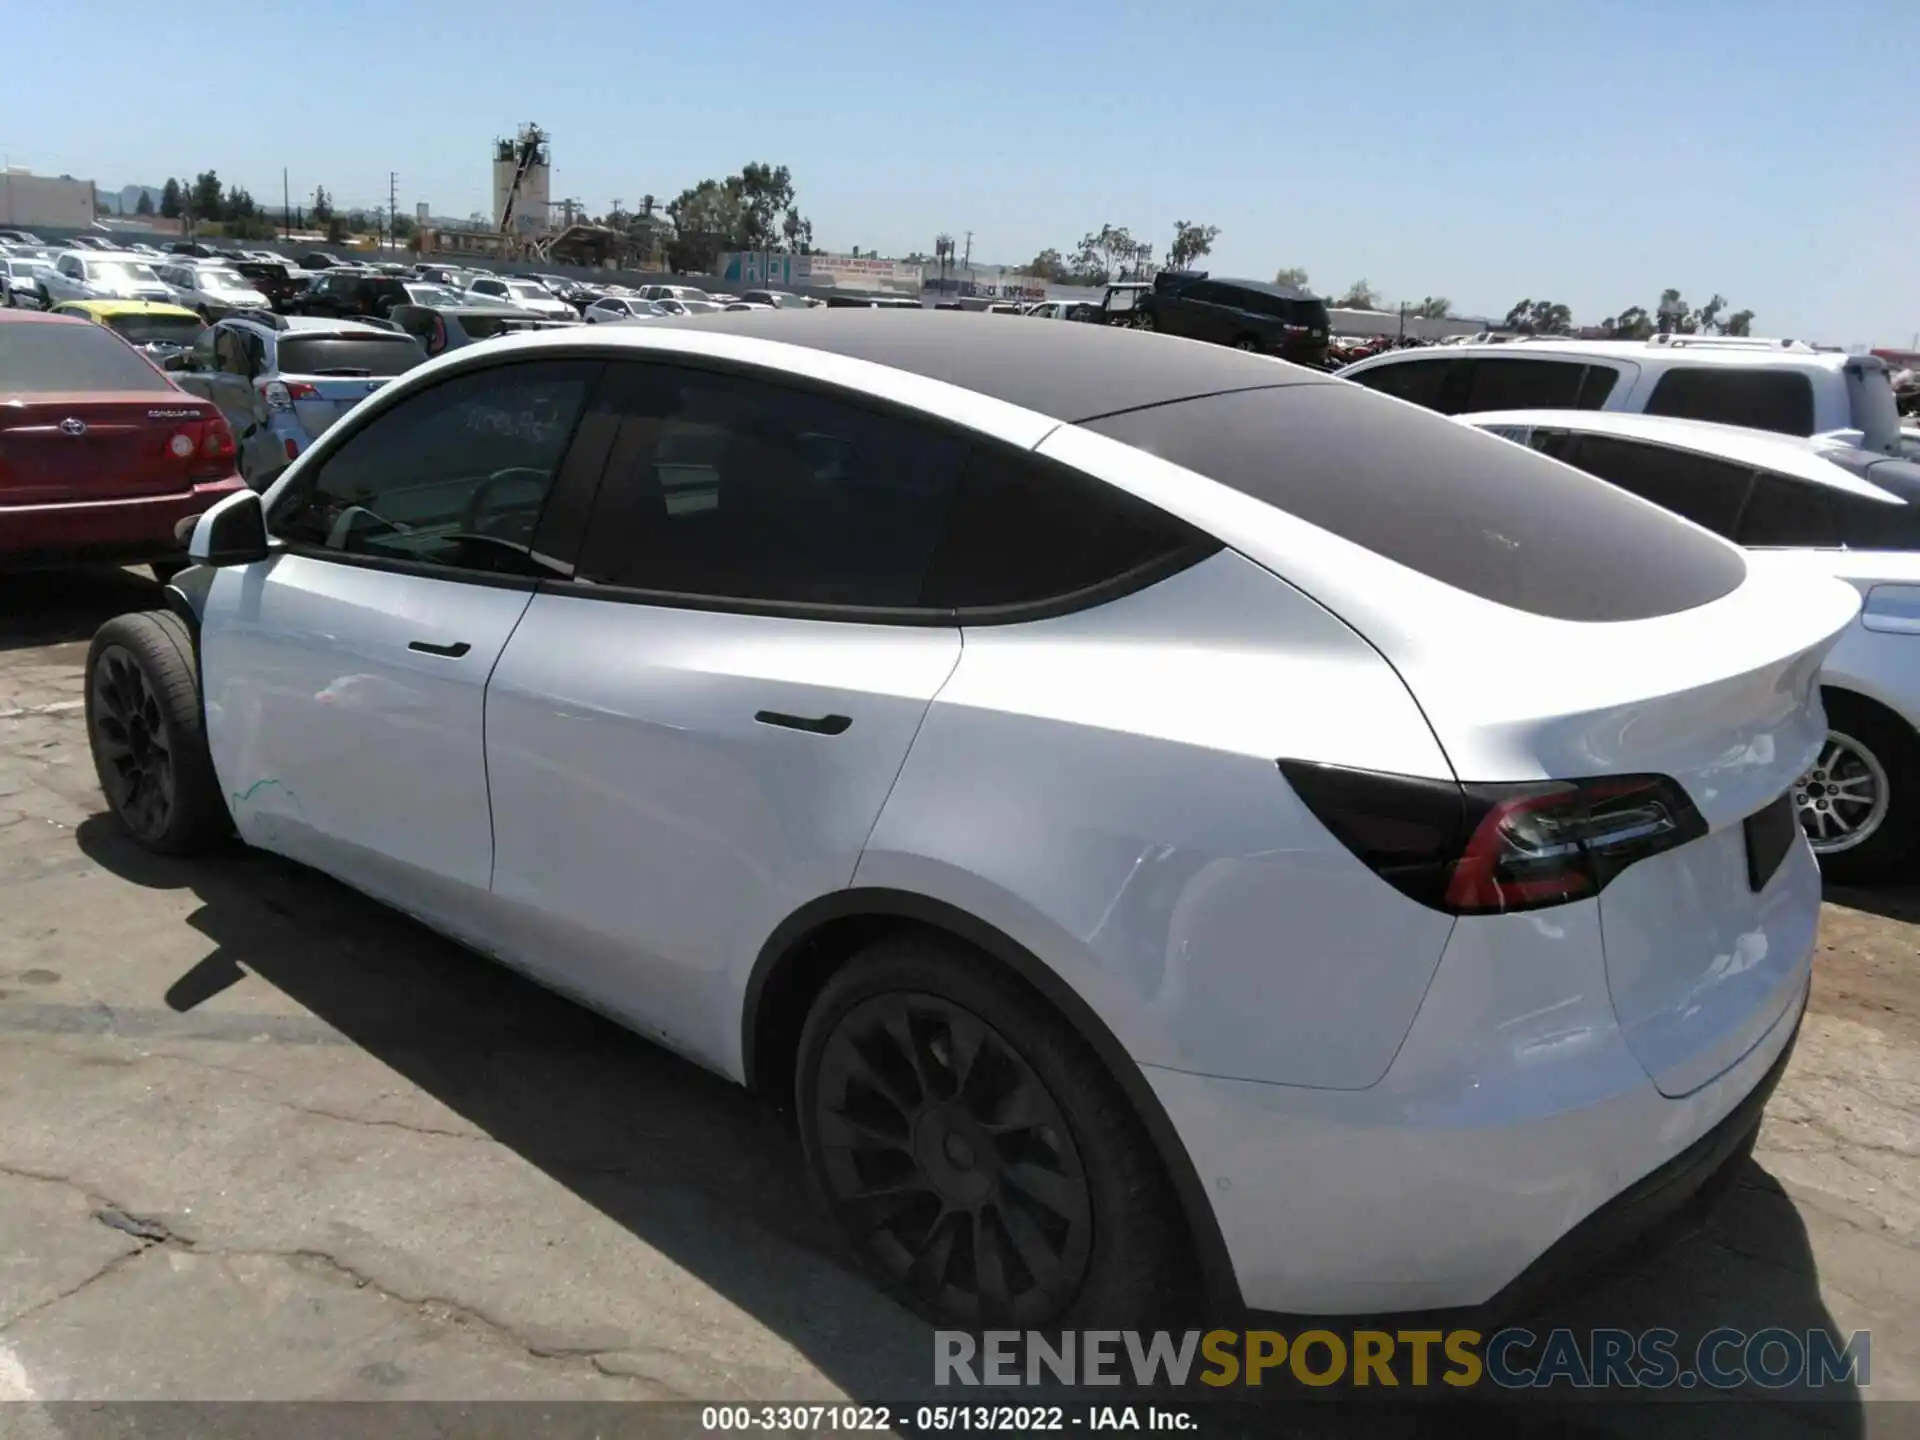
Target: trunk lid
[[57, 449]]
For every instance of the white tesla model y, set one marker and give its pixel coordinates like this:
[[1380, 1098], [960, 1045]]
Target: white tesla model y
[[1153, 811]]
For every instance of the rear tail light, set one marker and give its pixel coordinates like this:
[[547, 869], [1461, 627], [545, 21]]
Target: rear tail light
[[205, 445], [1491, 849], [280, 394]]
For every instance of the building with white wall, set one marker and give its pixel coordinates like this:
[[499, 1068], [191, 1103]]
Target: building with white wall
[[30, 202]]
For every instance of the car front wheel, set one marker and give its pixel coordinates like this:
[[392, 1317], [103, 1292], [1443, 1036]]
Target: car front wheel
[[975, 1154], [1859, 802], [149, 744]]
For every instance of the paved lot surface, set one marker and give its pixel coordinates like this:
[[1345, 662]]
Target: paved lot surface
[[260, 1139]]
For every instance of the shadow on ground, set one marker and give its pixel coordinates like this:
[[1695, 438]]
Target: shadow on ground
[[611, 1117], [55, 607]]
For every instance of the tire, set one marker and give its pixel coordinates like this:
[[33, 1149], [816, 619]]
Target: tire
[[1143, 321], [1246, 342], [1088, 1233], [148, 739], [1867, 741]]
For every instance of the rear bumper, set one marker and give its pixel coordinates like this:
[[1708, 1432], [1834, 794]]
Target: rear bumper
[[125, 531], [1510, 1144]]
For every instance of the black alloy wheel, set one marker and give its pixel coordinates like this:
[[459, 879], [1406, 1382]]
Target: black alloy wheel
[[950, 1161], [131, 744]]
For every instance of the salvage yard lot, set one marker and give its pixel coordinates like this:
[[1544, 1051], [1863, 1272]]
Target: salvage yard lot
[[260, 1138]]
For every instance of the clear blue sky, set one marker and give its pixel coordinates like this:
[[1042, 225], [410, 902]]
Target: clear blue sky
[[1587, 152]]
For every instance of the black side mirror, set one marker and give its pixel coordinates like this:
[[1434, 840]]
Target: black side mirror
[[233, 532], [180, 360]]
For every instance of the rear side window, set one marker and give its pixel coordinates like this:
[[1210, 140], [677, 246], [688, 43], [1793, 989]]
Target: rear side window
[[1708, 492], [1523, 384], [45, 357], [1418, 382], [372, 355], [1022, 532], [1783, 513], [720, 487], [1779, 400], [1475, 512]]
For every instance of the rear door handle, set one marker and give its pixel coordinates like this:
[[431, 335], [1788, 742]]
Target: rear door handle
[[452, 652], [812, 724]]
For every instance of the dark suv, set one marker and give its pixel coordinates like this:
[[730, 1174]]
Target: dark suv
[[273, 280], [1246, 314], [354, 294]]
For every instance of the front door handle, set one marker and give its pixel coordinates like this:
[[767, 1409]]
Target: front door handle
[[452, 652], [812, 724]]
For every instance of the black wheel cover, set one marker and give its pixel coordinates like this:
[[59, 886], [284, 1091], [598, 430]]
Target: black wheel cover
[[950, 1162], [130, 738]]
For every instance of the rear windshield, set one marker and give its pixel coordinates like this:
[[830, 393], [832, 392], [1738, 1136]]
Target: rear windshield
[[485, 327], [349, 354], [45, 358], [262, 270], [1470, 510], [1759, 398], [155, 329]]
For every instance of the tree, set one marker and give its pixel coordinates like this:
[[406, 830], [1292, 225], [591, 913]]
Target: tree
[[208, 202], [1360, 296], [322, 211], [1432, 307], [400, 227], [336, 229], [143, 206], [706, 218], [1102, 253], [1539, 317], [1707, 318], [1739, 323], [170, 203], [1632, 323], [1049, 265], [1190, 242], [1291, 276], [1672, 315]]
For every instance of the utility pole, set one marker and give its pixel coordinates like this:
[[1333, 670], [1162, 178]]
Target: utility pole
[[393, 202], [966, 262], [286, 207]]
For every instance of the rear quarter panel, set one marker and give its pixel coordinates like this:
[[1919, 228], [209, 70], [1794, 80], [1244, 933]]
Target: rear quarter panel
[[1102, 788]]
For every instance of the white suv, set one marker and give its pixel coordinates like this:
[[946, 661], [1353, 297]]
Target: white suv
[[1150, 810], [1824, 508], [1783, 386], [103, 275]]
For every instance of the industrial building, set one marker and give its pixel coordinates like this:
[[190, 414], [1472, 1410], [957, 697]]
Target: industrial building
[[29, 201]]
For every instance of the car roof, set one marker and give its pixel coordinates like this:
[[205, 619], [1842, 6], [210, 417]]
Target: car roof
[[38, 317], [1639, 352], [89, 254], [102, 308], [1792, 455], [1067, 372], [320, 325]]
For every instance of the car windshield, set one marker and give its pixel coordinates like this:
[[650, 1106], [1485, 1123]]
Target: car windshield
[[699, 307], [28, 267], [432, 295], [43, 359], [349, 354], [125, 272], [218, 280], [527, 290], [155, 329]]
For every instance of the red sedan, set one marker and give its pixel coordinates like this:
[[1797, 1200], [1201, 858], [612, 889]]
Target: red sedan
[[101, 455]]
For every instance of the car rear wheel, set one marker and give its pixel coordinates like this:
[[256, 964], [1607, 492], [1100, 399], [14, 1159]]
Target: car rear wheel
[[1246, 342], [149, 743], [973, 1152], [1143, 321], [1859, 802]]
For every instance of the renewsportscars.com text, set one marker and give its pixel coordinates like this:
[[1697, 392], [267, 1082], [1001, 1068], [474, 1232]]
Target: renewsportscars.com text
[[1510, 1359]]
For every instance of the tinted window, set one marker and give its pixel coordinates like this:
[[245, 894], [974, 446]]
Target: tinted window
[[454, 475], [1708, 492], [47, 357], [1416, 381], [1769, 399], [723, 487], [1595, 386], [1021, 532], [1473, 511], [1522, 384], [372, 355], [1783, 512]]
